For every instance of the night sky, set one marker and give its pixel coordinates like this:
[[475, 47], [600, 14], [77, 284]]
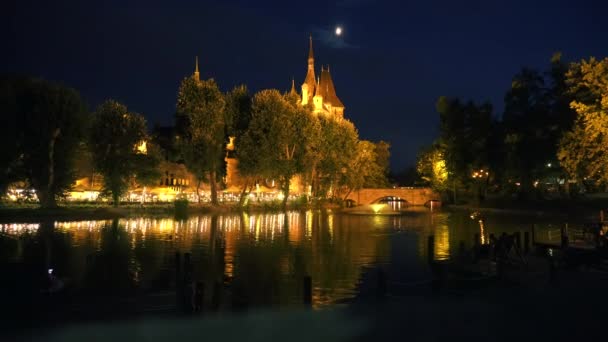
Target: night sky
[[392, 62]]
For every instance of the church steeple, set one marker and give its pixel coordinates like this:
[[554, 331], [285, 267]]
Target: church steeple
[[308, 88], [293, 87], [311, 58], [197, 75]]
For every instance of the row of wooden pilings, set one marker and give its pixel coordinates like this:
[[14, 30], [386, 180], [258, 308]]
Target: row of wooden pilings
[[492, 251], [190, 294]]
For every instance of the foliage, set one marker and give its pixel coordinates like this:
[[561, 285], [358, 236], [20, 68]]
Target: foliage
[[201, 124], [274, 145], [45, 122], [432, 168], [364, 169], [115, 135], [582, 150], [337, 149], [466, 130]]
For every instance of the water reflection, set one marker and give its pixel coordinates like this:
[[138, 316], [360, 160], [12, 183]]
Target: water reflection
[[260, 258]]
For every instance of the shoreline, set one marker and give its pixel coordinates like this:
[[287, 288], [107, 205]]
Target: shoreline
[[588, 209]]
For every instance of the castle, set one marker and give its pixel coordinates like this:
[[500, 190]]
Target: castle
[[320, 92]]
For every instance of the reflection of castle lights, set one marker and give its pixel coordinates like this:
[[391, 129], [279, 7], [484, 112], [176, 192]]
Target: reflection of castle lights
[[309, 218]]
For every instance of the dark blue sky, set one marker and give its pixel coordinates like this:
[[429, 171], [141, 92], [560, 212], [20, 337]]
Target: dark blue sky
[[393, 61]]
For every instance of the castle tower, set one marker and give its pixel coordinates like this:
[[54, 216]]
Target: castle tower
[[318, 98], [196, 75], [293, 88], [308, 88], [328, 91]]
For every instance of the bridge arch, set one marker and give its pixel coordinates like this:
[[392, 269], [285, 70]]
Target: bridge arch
[[394, 202], [413, 196]]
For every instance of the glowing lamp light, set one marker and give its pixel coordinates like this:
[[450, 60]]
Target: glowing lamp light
[[376, 207], [338, 31]]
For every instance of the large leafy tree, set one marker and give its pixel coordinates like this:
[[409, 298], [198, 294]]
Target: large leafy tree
[[465, 132], [201, 124], [364, 169], [583, 150], [238, 117], [115, 137], [275, 142], [337, 149], [46, 122], [432, 168]]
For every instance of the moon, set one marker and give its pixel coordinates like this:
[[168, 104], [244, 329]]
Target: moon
[[338, 31]]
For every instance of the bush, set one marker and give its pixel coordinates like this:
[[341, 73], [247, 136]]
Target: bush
[[181, 207]]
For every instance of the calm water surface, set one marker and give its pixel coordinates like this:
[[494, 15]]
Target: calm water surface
[[261, 257]]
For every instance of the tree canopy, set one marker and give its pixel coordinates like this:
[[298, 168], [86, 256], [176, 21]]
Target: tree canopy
[[115, 137]]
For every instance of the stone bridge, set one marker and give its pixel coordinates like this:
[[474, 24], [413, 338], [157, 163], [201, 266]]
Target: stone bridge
[[414, 196]]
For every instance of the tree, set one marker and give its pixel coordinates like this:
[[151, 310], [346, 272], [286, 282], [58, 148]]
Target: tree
[[115, 137], [432, 167], [49, 124], [364, 168], [379, 179], [337, 149], [274, 144], [201, 124], [465, 132], [238, 116], [582, 150]]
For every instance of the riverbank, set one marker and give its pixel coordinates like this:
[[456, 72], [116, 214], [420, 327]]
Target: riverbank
[[587, 207], [74, 212]]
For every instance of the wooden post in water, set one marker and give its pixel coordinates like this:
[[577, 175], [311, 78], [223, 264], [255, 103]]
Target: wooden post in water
[[526, 242], [461, 249], [492, 250], [533, 234], [307, 291], [518, 240], [179, 289], [552, 270], [382, 284], [476, 247], [564, 236], [199, 296], [430, 248], [217, 295]]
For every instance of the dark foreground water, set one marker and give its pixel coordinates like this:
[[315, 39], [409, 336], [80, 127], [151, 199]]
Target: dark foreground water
[[258, 258]]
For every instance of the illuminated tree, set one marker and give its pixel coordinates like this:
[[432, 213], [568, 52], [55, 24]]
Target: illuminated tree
[[201, 124], [337, 149], [583, 150], [364, 169], [432, 168], [275, 143], [45, 123], [115, 136]]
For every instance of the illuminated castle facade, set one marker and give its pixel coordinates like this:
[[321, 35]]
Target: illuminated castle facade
[[320, 92]]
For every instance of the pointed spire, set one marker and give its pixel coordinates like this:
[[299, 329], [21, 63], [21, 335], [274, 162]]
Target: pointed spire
[[196, 73], [318, 88], [310, 54], [293, 86]]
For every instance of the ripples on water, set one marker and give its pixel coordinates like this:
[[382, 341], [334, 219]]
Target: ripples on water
[[260, 256]]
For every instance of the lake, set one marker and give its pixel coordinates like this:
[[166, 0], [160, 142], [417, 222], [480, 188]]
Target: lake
[[259, 258]]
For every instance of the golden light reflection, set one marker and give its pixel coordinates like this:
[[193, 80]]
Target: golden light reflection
[[442, 242], [377, 207], [330, 227], [309, 218]]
